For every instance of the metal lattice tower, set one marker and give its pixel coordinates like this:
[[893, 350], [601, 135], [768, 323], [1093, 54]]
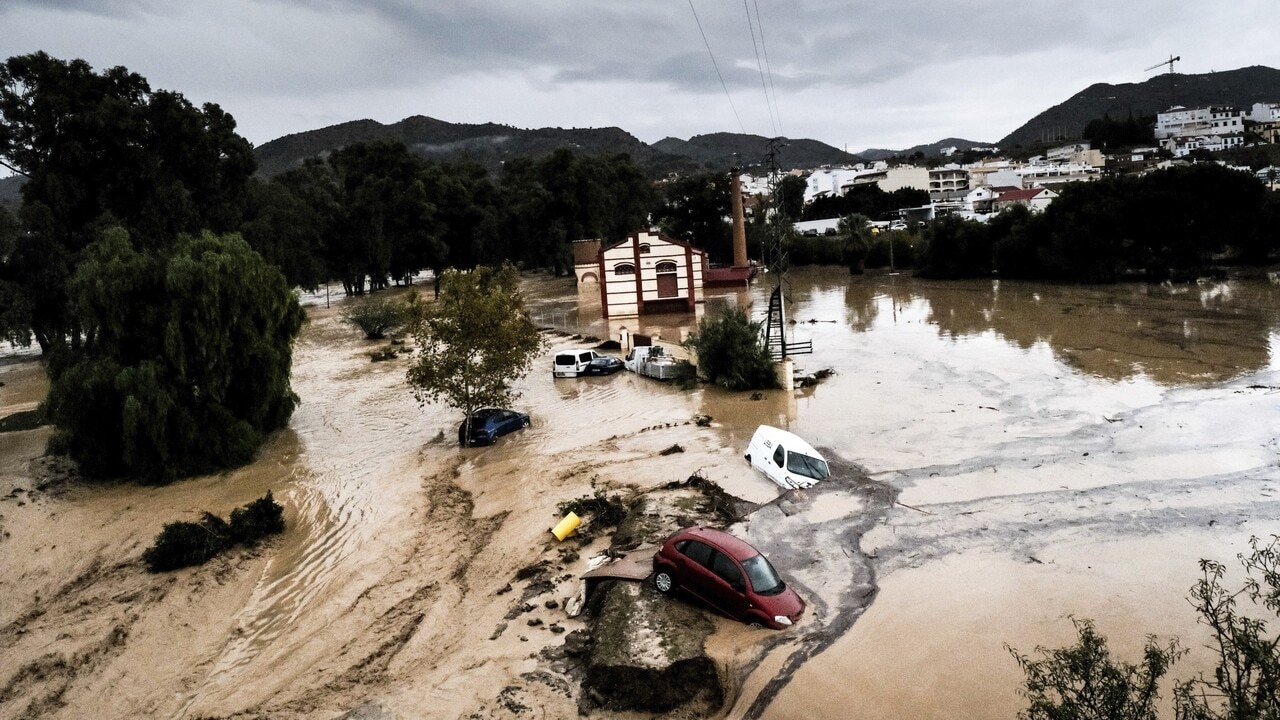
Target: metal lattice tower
[[775, 259]]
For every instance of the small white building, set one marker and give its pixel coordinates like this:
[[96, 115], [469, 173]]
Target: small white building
[[1036, 199], [1265, 112], [649, 273]]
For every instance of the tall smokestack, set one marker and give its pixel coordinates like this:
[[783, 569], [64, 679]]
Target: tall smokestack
[[739, 222]]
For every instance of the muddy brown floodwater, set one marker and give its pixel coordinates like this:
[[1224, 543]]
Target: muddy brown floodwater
[[1034, 452]]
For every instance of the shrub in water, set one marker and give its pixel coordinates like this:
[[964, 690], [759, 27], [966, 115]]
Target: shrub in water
[[182, 544], [258, 519]]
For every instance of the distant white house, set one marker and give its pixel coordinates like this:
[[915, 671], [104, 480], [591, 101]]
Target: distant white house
[[1265, 112], [648, 273], [1037, 199]]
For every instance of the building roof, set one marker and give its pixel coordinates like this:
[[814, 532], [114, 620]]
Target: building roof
[[635, 235], [1018, 194]]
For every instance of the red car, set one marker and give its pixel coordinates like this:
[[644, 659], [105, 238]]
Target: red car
[[727, 574]]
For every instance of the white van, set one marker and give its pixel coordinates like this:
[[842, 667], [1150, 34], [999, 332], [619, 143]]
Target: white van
[[568, 363], [785, 458]]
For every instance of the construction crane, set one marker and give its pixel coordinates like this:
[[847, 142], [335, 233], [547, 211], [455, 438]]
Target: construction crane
[[1172, 59]]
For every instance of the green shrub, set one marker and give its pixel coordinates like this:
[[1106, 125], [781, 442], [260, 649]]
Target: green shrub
[[375, 316], [183, 544], [732, 353], [258, 519]]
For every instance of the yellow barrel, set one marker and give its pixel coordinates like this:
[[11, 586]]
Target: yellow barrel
[[566, 526]]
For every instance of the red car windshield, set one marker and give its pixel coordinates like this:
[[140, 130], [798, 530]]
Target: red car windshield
[[764, 579]]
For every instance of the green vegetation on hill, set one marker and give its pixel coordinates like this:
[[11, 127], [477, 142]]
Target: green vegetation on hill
[[1066, 121]]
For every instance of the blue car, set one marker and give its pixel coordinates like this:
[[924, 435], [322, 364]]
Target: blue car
[[488, 424]]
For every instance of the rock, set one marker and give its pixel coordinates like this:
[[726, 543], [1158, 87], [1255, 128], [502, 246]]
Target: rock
[[504, 590], [556, 628], [551, 604], [534, 622], [497, 633], [702, 420], [577, 643], [648, 654]]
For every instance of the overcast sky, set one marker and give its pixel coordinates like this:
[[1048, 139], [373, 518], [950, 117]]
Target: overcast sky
[[874, 73]]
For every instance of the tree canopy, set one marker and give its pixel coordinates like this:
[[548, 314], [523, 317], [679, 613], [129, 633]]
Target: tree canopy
[[1167, 224], [100, 150], [186, 359], [474, 340]]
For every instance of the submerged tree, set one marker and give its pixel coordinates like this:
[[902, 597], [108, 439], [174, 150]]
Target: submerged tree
[[1083, 682], [731, 352], [473, 341], [856, 241], [1246, 680], [186, 358]]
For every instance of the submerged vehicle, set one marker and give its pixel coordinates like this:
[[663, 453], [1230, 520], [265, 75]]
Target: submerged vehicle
[[651, 361], [571, 363], [488, 424], [785, 459], [603, 365], [728, 574]]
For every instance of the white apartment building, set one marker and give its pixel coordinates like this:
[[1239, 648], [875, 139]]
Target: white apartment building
[[1189, 122], [1075, 154], [1265, 112], [948, 180], [1184, 146]]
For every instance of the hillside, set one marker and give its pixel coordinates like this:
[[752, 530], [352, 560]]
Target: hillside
[[929, 149], [1066, 120], [491, 144], [730, 149]]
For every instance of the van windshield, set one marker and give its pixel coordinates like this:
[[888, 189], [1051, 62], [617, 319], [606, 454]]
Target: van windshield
[[764, 579], [807, 465]]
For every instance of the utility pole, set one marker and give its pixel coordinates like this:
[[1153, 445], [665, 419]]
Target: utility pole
[[775, 257]]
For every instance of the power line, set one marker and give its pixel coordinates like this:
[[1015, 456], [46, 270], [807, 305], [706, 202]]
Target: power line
[[760, 66], [768, 68], [717, 67]]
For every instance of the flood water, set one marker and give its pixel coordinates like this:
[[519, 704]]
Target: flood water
[[1055, 451], [1059, 450]]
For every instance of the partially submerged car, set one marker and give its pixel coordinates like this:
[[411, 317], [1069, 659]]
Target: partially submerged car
[[571, 363], [488, 424], [728, 574], [786, 459], [602, 365]]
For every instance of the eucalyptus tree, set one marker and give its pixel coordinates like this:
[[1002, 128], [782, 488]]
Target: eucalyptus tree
[[101, 150]]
